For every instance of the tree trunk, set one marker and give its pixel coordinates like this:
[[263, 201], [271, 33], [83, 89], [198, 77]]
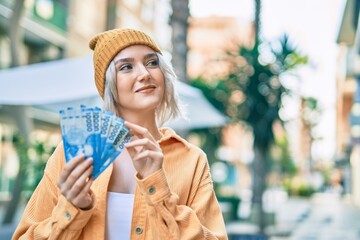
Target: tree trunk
[[257, 22], [260, 161], [179, 24], [259, 186], [111, 14], [14, 32]]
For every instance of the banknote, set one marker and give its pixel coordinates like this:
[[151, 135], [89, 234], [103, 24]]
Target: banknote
[[114, 147], [74, 133], [94, 132], [115, 127], [115, 153]]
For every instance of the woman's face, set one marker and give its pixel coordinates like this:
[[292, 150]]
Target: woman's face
[[139, 80]]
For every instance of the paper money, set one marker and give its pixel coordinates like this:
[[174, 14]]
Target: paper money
[[95, 133], [74, 133]]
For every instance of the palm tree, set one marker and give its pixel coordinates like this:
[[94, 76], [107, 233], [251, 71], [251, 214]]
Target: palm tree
[[261, 92]]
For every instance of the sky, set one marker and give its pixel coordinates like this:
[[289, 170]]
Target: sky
[[312, 26]]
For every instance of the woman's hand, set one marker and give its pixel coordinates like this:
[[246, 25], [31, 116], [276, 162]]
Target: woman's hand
[[75, 182], [144, 150]]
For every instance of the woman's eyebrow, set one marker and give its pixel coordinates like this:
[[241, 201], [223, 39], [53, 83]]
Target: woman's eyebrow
[[147, 56], [150, 55], [121, 60]]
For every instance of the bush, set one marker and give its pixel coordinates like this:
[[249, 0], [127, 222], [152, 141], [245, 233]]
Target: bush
[[296, 188]]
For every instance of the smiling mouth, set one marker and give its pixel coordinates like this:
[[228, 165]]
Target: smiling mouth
[[145, 89]]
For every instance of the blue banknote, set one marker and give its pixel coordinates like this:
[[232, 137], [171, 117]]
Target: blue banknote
[[115, 127], [95, 133], [74, 133], [92, 121], [120, 147]]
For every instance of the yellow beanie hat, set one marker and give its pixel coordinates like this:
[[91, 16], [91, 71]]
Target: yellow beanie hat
[[107, 45]]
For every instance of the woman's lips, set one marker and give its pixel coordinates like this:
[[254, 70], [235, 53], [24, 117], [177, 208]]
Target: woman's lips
[[146, 89]]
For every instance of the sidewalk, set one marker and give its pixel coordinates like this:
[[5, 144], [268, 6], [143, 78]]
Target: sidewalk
[[290, 215], [325, 216], [287, 216], [6, 231], [331, 218]]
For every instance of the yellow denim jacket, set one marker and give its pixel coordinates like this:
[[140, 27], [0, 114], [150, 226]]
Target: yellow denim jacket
[[176, 202]]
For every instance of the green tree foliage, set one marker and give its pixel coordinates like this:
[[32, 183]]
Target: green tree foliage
[[37, 155], [19, 141], [252, 91], [283, 161], [33, 158]]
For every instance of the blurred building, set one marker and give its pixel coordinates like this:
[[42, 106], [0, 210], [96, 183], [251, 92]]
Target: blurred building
[[348, 98], [45, 30], [209, 38], [52, 29]]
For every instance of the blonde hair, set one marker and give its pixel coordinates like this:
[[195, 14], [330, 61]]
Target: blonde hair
[[168, 109]]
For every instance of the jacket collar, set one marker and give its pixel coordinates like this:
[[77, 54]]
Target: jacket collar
[[168, 133]]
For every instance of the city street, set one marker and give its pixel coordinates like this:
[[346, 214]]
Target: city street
[[330, 218], [325, 216]]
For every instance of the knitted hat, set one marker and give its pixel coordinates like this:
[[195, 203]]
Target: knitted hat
[[107, 45]]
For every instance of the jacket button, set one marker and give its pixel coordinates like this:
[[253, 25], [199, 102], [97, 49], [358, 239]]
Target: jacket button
[[67, 215], [138, 230], [151, 190]]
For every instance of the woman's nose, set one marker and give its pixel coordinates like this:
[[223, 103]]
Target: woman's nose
[[143, 73]]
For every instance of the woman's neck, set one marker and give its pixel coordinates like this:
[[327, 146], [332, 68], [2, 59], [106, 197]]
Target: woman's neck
[[147, 121]]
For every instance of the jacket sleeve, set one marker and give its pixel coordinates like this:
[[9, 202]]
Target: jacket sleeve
[[48, 214], [201, 219]]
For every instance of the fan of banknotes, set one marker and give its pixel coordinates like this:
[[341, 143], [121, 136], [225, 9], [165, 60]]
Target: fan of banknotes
[[95, 133]]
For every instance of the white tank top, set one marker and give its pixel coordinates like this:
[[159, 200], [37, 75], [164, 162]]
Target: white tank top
[[118, 215]]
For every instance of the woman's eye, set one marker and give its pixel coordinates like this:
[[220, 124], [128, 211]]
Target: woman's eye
[[153, 63], [125, 67]]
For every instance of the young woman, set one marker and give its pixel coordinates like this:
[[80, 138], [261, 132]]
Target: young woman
[[159, 187]]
